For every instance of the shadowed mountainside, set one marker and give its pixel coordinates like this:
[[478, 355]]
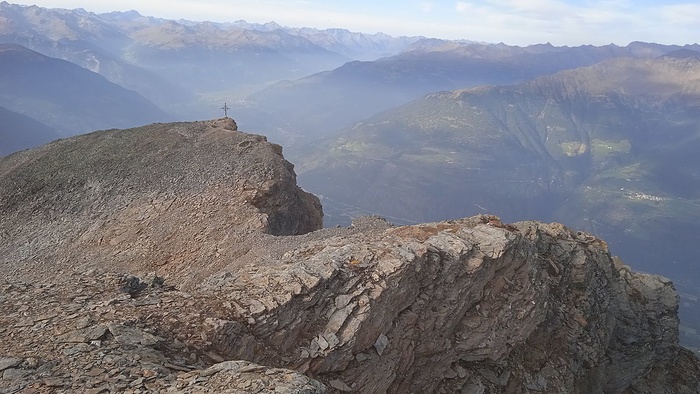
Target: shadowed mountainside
[[19, 132], [66, 97]]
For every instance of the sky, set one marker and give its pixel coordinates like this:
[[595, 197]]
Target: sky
[[514, 22]]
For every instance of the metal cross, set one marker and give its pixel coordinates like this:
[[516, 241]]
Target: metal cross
[[225, 108]]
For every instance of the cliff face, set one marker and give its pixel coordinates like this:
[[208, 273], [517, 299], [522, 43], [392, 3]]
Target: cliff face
[[234, 302], [468, 305]]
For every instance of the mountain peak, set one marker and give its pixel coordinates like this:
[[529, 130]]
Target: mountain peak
[[682, 53]]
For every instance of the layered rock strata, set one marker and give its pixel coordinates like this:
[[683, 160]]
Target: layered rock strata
[[461, 306]]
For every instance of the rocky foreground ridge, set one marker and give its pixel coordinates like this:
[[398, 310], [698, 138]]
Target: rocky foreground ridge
[[163, 259]]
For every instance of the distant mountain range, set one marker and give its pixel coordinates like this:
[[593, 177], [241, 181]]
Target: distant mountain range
[[323, 103], [82, 38], [330, 77], [352, 45], [68, 98], [169, 61], [611, 148]]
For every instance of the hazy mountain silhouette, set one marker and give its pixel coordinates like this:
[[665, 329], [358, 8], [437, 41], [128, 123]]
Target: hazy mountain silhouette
[[354, 45], [204, 57], [168, 61], [322, 103], [683, 54], [18, 132], [67, 97]]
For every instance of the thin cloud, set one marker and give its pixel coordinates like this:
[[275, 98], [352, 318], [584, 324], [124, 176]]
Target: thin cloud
[[426, 7], [574, 23], [463, 7], [680, 14]]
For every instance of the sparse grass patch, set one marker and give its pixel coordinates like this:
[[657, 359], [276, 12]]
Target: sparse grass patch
[[601, 149], [632, 172], [573, 148]]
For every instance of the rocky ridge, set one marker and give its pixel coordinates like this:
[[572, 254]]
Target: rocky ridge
[[159, 197], [470, 305]]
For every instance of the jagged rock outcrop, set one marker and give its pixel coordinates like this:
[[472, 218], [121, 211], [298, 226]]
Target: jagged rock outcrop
[[159, 260], [469, 305], [462, 306]]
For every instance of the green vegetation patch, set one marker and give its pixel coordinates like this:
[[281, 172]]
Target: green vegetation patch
[[355, 146], [362, 149], [604, 148], [433, 157], [630, 173]]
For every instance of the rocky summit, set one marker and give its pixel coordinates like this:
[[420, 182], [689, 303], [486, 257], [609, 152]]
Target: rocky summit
[[179, 198], [183, 258]]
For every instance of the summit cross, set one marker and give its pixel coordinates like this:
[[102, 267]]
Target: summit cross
[[225, 108]]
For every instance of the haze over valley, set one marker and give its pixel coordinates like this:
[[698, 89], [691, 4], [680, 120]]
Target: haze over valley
[[604, 139]]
